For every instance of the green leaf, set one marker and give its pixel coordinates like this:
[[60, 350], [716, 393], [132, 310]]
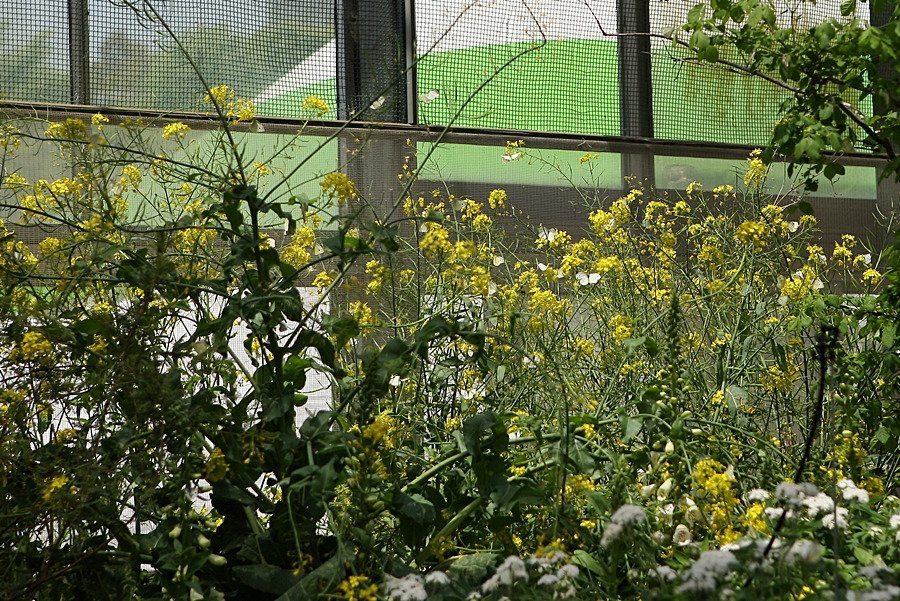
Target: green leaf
[[848, 7], [583, 559], [416, 515], [888, 334], [266, 578], [311, 587], [864, 556], [631, 426], [472, 568]]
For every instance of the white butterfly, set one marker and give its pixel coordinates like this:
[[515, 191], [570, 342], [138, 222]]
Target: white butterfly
[[378, 103], [587, 279], [498, 260], [510, 157], [429, 96]]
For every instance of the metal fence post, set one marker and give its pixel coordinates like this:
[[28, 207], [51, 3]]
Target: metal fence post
[[375, 53], [79, 53], [635, 84], [888, 191]]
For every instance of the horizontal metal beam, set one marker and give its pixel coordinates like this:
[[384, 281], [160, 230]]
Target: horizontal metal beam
[[423, 133]]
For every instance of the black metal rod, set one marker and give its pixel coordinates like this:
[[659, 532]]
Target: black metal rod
[[79, 52]]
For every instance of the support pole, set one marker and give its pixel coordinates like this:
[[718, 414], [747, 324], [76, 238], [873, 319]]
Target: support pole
[[635, 84], [79, 53]]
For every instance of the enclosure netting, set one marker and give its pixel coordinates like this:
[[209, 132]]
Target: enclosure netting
[[543, 65], [265, 49]]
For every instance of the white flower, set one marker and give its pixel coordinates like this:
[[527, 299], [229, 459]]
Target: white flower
[[664, 573], [395, 381], [629, 515], [836, 519], [856, 494], [795, 493], [818, 505], [547, 580], [706, 573], [682, 535], [610, 534], [666, 512], [664, 489], [774, 513], [692, 512], [438, 578], [758, 495], [805, 551], [894, 521], [566, 594], [845, 483], [511, 570], [408, 588], [569, 570]]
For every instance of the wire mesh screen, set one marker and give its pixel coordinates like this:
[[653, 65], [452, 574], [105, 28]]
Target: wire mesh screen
[[34, 50], [273, 51], [694, 101], [542, 65]]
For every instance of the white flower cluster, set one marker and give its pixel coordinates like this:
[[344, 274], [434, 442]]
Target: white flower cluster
[[624, 518], [413, 587], [894, 523], [884, 585], [555, 576], [708, 572], [851, 492]]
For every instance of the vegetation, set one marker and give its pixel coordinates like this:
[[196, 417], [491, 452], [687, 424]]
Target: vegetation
[[690, 398]]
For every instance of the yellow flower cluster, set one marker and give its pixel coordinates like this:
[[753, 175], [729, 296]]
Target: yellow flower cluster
[[35, 347], [435, 241], [620, 327], [715, 485], [358, 588], [362, 313], [56, 484], [755, 518], [338, 184], [237, 109], [177, 130], [752, 232], [70, 129], [756, 170], [316, 105], [497, 199], [216, 466], [298, 252], [380, 428], [782, 380], [800, 285]]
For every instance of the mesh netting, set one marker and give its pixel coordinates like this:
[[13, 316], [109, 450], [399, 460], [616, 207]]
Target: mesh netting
[[34, 50], [547, 63], [544, 65], [702, 102]]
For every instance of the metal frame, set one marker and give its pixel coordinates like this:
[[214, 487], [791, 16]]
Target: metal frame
[[635, 84], [79, 52]]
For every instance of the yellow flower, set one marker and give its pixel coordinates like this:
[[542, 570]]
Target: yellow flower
[[316, 104], [621, 327], [216, 466], [54, 486], [362, 313], [755, 518], [752, 232], [219, 94], [36, 347], [357, 588], [322, 280], [756, 170], [435, 240], [497, 199], [338, 184], [14, 180], [70, 129], [177, 130], [872, 276], [99, 119]]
